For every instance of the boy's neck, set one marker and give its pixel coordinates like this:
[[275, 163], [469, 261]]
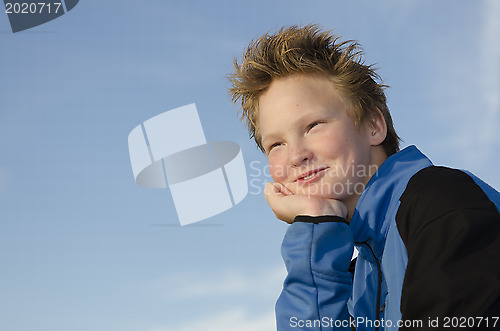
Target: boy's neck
[[378, 156]]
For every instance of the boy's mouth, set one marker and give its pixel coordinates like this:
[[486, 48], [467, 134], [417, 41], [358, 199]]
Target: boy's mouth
[[311, 175]]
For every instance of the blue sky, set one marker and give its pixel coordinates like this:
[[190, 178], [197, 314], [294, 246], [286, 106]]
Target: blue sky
[[82, 247]]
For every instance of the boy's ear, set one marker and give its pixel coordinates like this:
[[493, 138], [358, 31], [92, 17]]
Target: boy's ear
[[377, 128]]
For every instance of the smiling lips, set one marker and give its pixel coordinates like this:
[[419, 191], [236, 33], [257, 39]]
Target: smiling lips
[[312, 175]]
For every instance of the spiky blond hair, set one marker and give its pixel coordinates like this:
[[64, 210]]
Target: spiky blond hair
[[309, 50]]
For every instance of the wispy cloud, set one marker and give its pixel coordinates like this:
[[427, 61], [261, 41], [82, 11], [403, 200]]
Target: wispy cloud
[[3, 181], [470, 96], [490, 77], [244, 300], [231, 320], [182, 286]]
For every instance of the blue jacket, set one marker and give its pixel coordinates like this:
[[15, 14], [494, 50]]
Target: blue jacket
[[423, 234]]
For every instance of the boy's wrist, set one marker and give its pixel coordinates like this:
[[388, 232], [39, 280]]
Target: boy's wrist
[[326, 207], [320, 219]]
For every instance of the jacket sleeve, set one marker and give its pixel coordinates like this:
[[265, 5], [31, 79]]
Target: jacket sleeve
[[317, 252], [452, 234]]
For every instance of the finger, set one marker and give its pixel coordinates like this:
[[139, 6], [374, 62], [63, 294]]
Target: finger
[[275, 188], [286, 190], [271, 188]]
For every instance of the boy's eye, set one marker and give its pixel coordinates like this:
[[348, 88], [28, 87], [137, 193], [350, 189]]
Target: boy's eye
[[312, 125], [274, 145], [270, 148]]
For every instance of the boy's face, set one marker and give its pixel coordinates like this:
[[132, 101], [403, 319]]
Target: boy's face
[[313, 146]]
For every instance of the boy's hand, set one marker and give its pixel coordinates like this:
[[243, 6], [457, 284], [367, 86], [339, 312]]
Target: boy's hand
[[287, 205]]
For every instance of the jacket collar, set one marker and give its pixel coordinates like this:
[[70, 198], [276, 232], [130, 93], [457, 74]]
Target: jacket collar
[[379, 202]]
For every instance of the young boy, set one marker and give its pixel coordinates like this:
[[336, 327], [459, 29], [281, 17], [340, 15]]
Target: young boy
[[428, 237]]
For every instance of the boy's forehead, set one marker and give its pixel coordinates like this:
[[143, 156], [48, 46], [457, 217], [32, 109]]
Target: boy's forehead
[[299, 95], [301, 88]]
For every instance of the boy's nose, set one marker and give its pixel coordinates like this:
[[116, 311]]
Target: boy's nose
[[299, 155]]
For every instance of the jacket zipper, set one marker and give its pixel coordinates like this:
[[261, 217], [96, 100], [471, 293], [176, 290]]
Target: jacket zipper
[[379, 288]]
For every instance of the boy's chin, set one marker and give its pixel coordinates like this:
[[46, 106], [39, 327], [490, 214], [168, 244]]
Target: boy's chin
[[323, 195], [317, 195]]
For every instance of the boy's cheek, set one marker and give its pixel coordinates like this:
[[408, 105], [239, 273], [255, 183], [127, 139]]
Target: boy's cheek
[[278, 173]]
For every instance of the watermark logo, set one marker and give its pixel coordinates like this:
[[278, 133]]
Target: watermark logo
[[25, 15], [205, 179], [339, 179]]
